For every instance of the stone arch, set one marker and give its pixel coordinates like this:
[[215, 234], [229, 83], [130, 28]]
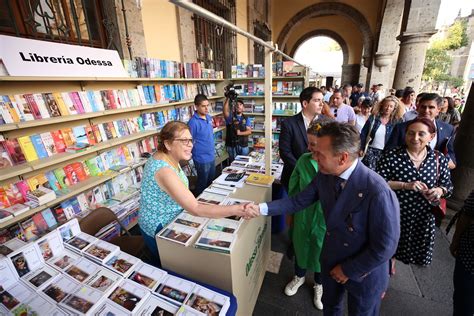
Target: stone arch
[[330, 8], [323, 32]]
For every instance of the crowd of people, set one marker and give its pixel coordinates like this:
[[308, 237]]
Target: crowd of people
[[363, 172]]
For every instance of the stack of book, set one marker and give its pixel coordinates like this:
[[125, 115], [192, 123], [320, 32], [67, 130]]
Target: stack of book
[[45, 277]]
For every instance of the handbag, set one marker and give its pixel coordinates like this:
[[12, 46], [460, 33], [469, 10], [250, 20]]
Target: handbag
[[438, 210]]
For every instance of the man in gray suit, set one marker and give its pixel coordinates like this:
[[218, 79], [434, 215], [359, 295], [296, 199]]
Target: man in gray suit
[[362, 217]]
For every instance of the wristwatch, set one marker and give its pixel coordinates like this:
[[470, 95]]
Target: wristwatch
[[444, 191]]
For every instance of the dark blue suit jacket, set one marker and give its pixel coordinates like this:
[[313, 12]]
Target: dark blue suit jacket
[[444, 142], [363, 224], [292, 144]]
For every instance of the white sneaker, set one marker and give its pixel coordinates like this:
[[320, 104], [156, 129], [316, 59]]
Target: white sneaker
[[318, 294], [292, 287]]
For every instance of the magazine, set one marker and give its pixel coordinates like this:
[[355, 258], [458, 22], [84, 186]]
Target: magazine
[[216, 241], [40, 278], [104, 280], [59, 288], [82, 301], [101, 251], [148, 276], [26, 259], [175, 290], [122, 263], [156, 306], [223, 225], [211, 198], [129, 296], [80, 242], [82, 270], [208, 302], [178, 233], [15, 295], [187, 219]]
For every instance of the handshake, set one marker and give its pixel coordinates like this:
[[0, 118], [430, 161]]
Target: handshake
[[248, 211]]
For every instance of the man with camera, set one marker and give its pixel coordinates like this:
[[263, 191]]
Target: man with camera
[[237, 125]]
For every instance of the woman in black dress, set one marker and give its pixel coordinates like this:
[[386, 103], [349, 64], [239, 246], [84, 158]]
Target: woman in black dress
[[412, 172]]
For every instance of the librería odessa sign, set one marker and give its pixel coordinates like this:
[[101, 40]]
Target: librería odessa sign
[[27, 57]]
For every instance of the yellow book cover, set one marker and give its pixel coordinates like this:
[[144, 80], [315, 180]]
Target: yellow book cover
[[68, 136], [259, 179], [126, 153], [61, 104], [28, 148], [36, 181]]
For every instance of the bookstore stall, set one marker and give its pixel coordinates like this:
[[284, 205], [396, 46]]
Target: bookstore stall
[[75, 141]]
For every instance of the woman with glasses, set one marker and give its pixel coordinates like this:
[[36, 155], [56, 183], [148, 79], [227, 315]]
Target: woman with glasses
[[377, 129], [164, 190]]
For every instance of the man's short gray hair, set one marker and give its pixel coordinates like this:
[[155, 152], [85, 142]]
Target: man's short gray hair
[[344, 138]]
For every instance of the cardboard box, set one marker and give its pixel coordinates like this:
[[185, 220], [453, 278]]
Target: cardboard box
[[240, 272]]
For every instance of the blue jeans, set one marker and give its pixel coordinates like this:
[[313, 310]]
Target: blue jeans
[[463, 291], [205, 175], [150, 242], [237, 150]]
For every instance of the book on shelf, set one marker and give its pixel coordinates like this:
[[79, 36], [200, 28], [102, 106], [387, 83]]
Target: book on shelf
[[41, 224], [122, 263], [27, 148], [180, 234], [13, 193], [68, 136], [14, 151], [58, 140], [17, 209], [41, 195], [48, 143], [5, 216], [30, 231], [216, 241], [175, 290], [147, 276], [128, 296]]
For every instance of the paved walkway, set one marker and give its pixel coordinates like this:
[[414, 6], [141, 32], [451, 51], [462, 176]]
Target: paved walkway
[[412, 291]]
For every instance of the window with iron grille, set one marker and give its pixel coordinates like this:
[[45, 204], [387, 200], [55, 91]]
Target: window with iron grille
[[65, 21], [260, 30], [216, 46]]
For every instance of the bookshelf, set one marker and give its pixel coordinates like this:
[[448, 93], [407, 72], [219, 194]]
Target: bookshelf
[[10, 86]]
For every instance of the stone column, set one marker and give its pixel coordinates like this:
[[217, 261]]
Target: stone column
[[350, 74], [411, 59], [187, 37]]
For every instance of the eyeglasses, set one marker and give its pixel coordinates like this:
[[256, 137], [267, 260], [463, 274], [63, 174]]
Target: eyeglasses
[[185, 141]]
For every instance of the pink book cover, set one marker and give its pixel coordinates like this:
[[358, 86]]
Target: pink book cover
[[13, 193], [76, 100], [23, 187]]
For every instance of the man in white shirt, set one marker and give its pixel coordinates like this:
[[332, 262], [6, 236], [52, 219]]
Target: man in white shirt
[[343, 113]]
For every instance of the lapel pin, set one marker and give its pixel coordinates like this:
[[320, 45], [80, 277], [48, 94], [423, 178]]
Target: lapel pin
[[360, 194]]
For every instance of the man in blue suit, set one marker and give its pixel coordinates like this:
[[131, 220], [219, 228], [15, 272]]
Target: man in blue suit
[[428, 106], [362, 217]]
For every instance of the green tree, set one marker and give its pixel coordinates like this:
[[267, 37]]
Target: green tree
[[438, 59]]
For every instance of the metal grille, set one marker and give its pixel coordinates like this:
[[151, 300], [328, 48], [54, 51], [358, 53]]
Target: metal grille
[[65, 21], [216, 46], [262, 31]]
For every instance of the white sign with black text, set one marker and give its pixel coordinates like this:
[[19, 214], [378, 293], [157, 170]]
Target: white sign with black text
[[27, 57]]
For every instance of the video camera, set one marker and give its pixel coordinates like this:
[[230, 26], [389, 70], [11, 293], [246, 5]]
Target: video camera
[[230, 93]]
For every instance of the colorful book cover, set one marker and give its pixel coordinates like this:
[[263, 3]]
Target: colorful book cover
[[27, 148], [58, 214], [75, 205], [105, 99], [83, 202], [13, 194], [10, 106], [79, 170], [63, 109], [48, 143], [68, 210], [33, 106], [49, 218], [6, 117], [24, 188], [39, 146], [58, 140], [62, 178], [112, 99], [30, 231], [76, 101], [5, 159], [108, 132], [51, 105], [68, 102], [98, 100], [97, 134], [40, 223], [70, 174], [117, 129], [14, 150], [24, 107], [90, 135], [93, 167], [41, 105], [85, 102], [37, 181], [112, 129], [53, 181], [4, 202], [80, 135], [68, 136]]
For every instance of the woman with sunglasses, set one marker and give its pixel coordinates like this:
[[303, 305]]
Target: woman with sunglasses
[[377, 129], [165, 192]]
